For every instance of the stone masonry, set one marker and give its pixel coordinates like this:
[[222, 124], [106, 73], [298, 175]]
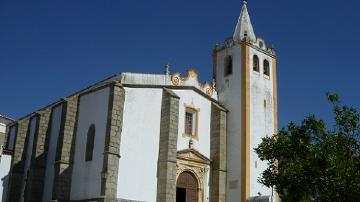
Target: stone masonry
[[112, 144], [34, 188], [166, 184], [3, 136], [65, 151], [218, 154], [17, 171]]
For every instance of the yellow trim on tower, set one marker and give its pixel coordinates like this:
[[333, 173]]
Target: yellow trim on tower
[[275, 107], [245, 116]]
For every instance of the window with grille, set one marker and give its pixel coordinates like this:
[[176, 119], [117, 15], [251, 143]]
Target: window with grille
[[190, 121]]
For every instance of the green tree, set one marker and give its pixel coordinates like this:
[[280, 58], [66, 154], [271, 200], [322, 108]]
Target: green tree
[[313, 162]]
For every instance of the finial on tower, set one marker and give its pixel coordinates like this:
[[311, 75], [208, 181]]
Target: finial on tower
[[244, 28], [167, 69]]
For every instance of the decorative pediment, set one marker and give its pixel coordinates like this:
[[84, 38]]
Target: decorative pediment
[[192, 155], [192, 80]]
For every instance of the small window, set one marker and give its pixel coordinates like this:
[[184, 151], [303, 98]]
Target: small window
[[90, 143], [228, 66], [191, 122], [256, 63], [266, 68], [261, 45]]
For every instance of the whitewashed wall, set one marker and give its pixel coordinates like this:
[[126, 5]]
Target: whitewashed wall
[[261, 117], [86, 176], [50, 161], [189, 97], [139, 149], [229, 91], [5, 163]]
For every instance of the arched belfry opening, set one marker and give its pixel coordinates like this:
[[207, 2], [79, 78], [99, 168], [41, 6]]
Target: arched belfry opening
[[187, 187]]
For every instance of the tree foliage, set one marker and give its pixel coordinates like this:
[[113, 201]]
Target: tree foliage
[[311, 162]]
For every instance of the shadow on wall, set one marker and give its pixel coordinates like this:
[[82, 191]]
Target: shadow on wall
[[35, 176], [30, 186], [14, 193], [33, 183], [5, 183]]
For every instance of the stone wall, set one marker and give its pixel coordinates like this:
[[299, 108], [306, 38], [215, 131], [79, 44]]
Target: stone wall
[[34, 187], [2, 138], [166, 185], [218, 154], [65, 151], [112, 144], [17, 165]]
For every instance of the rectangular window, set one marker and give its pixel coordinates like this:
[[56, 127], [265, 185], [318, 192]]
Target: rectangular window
[[191, 122]]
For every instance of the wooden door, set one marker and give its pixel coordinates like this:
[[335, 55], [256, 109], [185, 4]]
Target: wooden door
[[189, 186]]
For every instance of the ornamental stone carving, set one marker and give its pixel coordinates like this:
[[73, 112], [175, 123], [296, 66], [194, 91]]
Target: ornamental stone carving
[[192, 80], [190, 160], [175, 79]]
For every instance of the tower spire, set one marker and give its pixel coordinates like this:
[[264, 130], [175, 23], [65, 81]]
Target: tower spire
[[244, 27]]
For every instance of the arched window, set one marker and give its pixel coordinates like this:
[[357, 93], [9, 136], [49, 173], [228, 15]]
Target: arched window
[[228, 66], [266, 68], [90, 143], [256, 66]]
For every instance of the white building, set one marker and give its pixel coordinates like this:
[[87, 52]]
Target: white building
[[155, 137], [5, 158]]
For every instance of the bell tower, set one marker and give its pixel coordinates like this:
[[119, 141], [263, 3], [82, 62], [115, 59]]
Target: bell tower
[[244, 70]]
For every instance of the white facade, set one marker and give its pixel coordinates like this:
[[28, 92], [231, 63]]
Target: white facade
[[229, 91], [261, 118], [202, 144], [5, 158], [258, 112], [5, 162], [193, 99], [86, 175], [139, 147]]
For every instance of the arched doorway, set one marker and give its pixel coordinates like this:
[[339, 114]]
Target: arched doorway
[[187, 188]]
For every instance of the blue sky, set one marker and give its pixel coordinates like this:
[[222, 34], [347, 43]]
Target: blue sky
[[49, 49]]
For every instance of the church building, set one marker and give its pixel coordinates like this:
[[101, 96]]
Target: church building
[[137, 137]]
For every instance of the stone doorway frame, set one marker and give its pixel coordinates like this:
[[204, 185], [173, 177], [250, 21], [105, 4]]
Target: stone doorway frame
[[191, 160]]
